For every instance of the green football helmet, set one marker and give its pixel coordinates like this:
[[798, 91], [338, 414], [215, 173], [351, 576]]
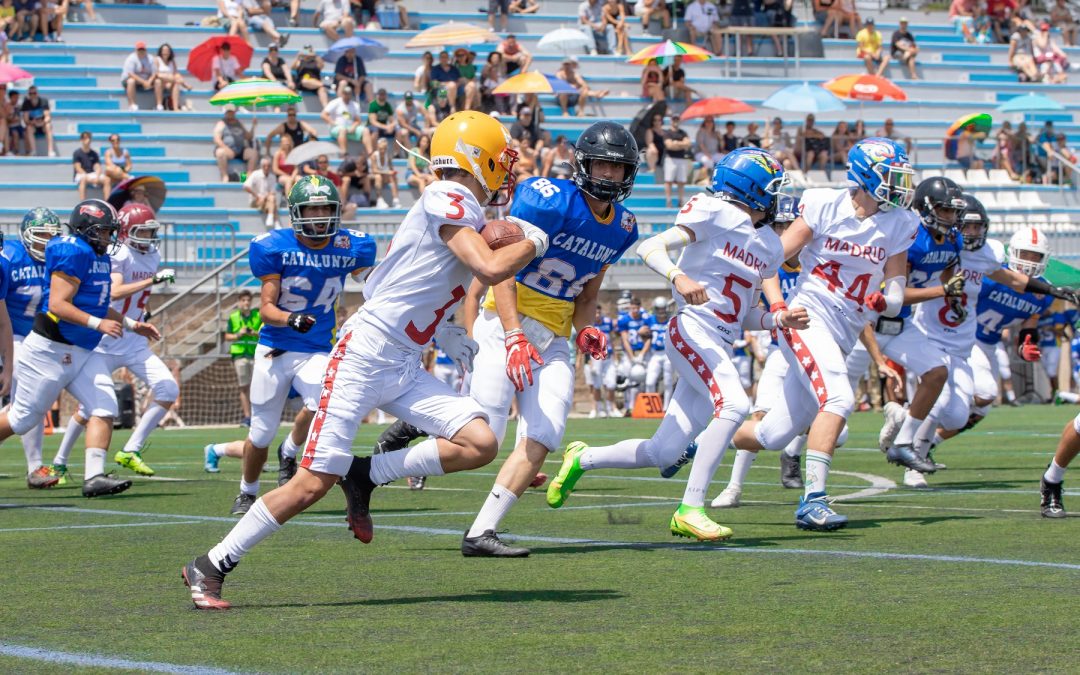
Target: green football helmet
[[39, 225], [312, 191]]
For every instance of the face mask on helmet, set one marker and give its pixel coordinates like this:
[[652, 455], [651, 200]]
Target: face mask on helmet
[[942, 217], [95, 222], [974, 230], [1029, 252], [505, 193], [144, 237], [37, 228], [881, 168], [604, 189], [895, 188], [315, 220]]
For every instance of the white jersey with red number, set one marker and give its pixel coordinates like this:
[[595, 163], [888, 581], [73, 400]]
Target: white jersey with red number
[[845, 260], [936, 319], [729, 257], [133, 266], [419, 284]]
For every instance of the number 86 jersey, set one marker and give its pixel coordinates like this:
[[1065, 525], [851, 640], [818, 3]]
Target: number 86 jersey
[[845, 260], [729, 257], [582, 245]]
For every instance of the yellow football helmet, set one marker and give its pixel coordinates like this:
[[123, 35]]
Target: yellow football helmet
[[478, 144]]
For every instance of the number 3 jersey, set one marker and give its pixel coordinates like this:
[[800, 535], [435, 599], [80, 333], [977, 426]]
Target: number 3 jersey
[[26, 278], [729, 257], [132, 266], [417, 286], [581, 245], [845, 260], [936, 318], [311, 280]]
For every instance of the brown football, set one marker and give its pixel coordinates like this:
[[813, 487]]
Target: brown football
[[499, 233]]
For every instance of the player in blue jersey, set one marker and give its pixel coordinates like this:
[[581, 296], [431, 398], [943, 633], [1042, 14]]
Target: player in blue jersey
[[999, 306], [600, 373], [25, 258], [658, 365], [635, 349], [59, 352], [135, 264], [524, 324], [303, 270]]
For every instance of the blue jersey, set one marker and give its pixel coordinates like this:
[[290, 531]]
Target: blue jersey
[[1049, 326], [1000, 306], [75, 258], [26, 279], [311, 280], [629, 325], [606, 326], [927, 259], [5, 277], [581, 246], [659, 335]]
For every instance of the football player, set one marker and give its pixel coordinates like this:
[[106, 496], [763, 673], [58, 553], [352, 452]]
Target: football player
[[134, 272], [1000, 306], [60, 353], [436, 252], [848, 241], [600, 373], [26, 275], [302, 269], [932, 273], [528, 320], [628, 325], [771, 383], [727, 248], [658, 368], [952, 327]]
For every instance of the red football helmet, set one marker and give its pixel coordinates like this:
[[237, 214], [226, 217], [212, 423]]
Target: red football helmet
[[139, 227]]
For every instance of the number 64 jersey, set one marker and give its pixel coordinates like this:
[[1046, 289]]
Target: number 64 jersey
[[845, 260], [311, 281], [729, 257]]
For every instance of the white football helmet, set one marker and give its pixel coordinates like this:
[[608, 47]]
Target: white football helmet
[[1031, 240], [637, 373]]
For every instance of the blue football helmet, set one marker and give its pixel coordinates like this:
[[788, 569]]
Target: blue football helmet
[[38, 226], [880, 166], [752, 177]]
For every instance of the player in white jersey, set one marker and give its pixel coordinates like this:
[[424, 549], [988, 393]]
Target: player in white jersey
[[134, 272], [851, 240], [727, 250], [997, 307], [952, 326], [435, 253]]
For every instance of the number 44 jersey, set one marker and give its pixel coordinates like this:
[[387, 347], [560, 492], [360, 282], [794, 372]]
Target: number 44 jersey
[[311, 281], [845, 260]]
